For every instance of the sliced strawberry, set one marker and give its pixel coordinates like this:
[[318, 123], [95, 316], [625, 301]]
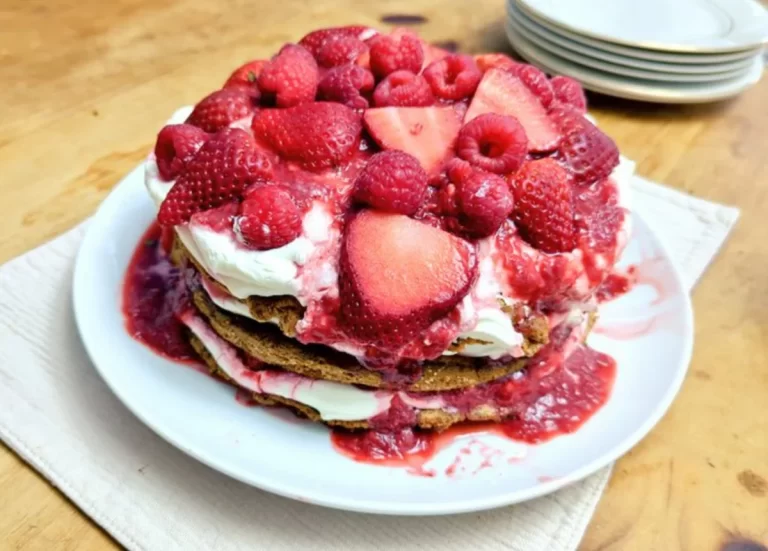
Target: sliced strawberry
[[569, 92], [503, 93], [315, 40], [433, 53], [398, 276], [223, 107], [246, 75], [427, 133], [291, 77], [494, 61]]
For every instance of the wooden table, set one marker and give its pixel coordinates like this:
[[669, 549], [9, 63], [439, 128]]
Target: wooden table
[[85, 85]]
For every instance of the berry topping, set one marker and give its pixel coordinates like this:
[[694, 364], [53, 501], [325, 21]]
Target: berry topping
[[569, 92], [414, 275], [482, 199], [346, 84], [454, 77], [176, 146], [496, 143], [427, 133], [246, 75], [494, 61], [544, 212], [223, 107], [316, 135], [268, 218], [433, 53], [392, 181], [226, 164], [502, 92], [403, 89], [315, 40], [398, 51], [340, 50], [291, 77], [590, 154], [536, 81]]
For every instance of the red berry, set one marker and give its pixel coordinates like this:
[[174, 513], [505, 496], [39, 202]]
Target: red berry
[[486, 62], [291, 77], [268, 218], [393, 53], [226, 164], [543, 211], [246, 75], [569, 92], [346, 84], [315, 40], [176, 146], [340, 50], [315, 135], [536, 81], [496, 143], [392, 181], [483, 199], [454, 77], [590, 154], [223, 107], [403, 89]]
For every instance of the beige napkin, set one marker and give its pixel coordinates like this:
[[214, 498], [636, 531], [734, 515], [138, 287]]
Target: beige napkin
[[58, 415]]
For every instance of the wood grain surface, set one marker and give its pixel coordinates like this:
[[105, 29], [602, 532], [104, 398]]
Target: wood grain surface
[[85, 85]]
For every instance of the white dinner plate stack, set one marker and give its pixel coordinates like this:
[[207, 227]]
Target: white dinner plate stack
[[667, 51]]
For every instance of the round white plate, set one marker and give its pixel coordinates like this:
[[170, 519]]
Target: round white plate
[[544, 35], [648, 332], [634, 51], [622, 70], [680, 25], [630, 88]]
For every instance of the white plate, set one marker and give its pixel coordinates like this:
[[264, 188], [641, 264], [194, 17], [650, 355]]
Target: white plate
[[544, 35], [634, 51], [630, 88], [295, 459], [681, 25], [622, 70]]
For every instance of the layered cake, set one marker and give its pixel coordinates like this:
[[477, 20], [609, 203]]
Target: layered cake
[[386, 237]]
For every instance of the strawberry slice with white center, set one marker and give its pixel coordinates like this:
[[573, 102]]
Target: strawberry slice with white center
[[503, 93], [427, 133], [398, 276]]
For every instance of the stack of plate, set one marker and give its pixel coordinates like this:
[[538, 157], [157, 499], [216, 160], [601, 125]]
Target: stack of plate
[[670, 51]]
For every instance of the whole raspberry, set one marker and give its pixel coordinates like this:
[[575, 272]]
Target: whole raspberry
[[392, 181], [393, 53], [403, 89], [246, 75], [268, 218], [569, 92], [536, 81], [347, 84], [483, 199], [315, 40], [454, 77], [340, 51], [223, 107], [496, 143], [291, 77], [176, 146]]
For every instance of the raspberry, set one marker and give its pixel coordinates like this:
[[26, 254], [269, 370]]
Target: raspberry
[[176, 146], [392, 181], [268, 218], [483, 199], [569, 92], [246, 75], [403, 89], [340, 51], [392, 53], [536, 81], [544, 212], [496, 143], [223, 107], [291, 77], [346, 84], [315, 40], [454, 77]]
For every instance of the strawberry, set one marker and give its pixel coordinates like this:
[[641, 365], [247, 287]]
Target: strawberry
[[569, 92], [494, 61], [454, 77], [246, 75], [176, 146], [315, 135], [223, 107], [483, 199], [398, 276], [347, 84], [226, 164], [315, 40], [400, 50], [392, 181], [427, 133], [291, 77], [536, 81], [496, 143], [544, 212], [403, 89], [268, 218], [340, 50], [502, 92], [590, 154]]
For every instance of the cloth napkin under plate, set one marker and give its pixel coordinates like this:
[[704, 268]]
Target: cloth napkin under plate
[[59, 416]]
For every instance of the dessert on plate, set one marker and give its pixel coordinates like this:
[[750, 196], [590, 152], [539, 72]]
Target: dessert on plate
[[384, 237]]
